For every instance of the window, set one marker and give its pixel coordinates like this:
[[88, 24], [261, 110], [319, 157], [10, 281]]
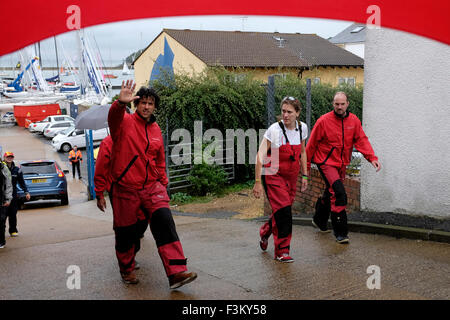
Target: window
[[68, 130], [280, 75], [235, 77], [38, 168], [61, 125], [357, 29], [316, 80], [349, 81]]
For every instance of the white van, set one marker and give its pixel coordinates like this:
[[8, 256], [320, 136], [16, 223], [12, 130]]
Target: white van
[[39, 126], [70, 137], [52, 129]]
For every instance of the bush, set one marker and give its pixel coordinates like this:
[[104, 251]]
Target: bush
[[223, 100], [216, 97], [207, 178], [181, 198]]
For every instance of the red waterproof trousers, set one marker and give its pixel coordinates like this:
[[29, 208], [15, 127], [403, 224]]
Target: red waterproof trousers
[[154, 203], [280, 187], [334, 180]]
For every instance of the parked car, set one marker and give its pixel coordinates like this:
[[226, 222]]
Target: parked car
[[8, 117], [65, 140], [52, 129], [44, 180], [39, 126]]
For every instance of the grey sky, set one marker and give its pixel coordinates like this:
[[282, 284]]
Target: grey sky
[[118, 40]]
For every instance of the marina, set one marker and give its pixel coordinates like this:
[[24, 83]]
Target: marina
[[77, 79]]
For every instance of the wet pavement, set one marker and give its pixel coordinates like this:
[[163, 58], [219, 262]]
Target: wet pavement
[[224, 252]]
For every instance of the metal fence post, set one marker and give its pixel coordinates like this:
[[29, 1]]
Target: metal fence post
[[90, 163], [270, 101], [308, 106]]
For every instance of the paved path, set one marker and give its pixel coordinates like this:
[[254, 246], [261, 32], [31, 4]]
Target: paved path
[[224, 253]]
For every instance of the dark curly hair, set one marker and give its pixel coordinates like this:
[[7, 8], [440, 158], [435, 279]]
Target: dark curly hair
[[147, 92]]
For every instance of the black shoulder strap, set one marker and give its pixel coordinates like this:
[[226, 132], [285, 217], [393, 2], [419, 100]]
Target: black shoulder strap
[[281, 124], [300, 131], [284, 130]]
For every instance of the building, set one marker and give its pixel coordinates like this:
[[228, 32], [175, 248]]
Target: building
[[263, 54], [406, 118], [351, 39]]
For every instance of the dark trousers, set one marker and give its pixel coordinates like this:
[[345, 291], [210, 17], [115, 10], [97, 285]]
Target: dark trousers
[[334, 200], [153, 203], [11, 213], [2, 224], [76, 165]]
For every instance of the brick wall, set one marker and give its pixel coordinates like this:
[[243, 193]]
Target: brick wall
[[305, 202]]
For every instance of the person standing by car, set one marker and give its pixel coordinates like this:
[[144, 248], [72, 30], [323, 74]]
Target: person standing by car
[[6, 191], [139, 180], [330, 148], [75, 157], [16, 178], [284, 145]]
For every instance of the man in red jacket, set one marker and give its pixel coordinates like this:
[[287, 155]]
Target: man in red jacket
[[330, 147], [139, 182], [102, 182]]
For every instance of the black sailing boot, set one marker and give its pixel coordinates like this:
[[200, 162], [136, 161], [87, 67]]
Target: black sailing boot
[[340, 227]]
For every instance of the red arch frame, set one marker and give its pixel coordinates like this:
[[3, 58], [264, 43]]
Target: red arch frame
[[26, 22]]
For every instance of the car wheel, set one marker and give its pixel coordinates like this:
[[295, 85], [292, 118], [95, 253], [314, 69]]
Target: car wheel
[[66, 147], [65, 200]]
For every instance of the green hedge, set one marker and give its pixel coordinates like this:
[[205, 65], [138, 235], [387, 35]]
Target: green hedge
[[214, 98], [223, 100], [227, 100]]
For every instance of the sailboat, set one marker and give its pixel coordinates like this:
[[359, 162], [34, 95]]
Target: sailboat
[[93, 87], [125, 69]]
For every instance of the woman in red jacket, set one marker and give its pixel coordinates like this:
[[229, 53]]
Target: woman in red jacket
[[139, 181], [283, 146], [330, 148]]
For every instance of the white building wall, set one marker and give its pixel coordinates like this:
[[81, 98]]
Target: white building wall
[[407, 119], [355, 48]]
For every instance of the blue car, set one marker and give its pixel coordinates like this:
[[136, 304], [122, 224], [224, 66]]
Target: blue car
[[44, 180]]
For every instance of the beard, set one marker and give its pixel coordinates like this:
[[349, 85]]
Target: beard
[[340, 113]]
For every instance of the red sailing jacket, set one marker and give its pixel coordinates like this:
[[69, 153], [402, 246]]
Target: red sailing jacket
[[102, 176], [137, 158], [332, 139]]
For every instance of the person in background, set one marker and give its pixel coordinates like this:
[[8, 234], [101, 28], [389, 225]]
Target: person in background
[[330, 148], [16, 178], [284, 145], [6, 191], [75, 157]]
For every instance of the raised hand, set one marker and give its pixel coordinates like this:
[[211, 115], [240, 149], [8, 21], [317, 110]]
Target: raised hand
[[126, 92]]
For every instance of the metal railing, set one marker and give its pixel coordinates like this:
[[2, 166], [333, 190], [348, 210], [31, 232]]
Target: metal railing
[[178, 173]]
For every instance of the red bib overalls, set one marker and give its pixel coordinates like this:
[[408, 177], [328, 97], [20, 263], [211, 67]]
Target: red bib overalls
[[280, 187]]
